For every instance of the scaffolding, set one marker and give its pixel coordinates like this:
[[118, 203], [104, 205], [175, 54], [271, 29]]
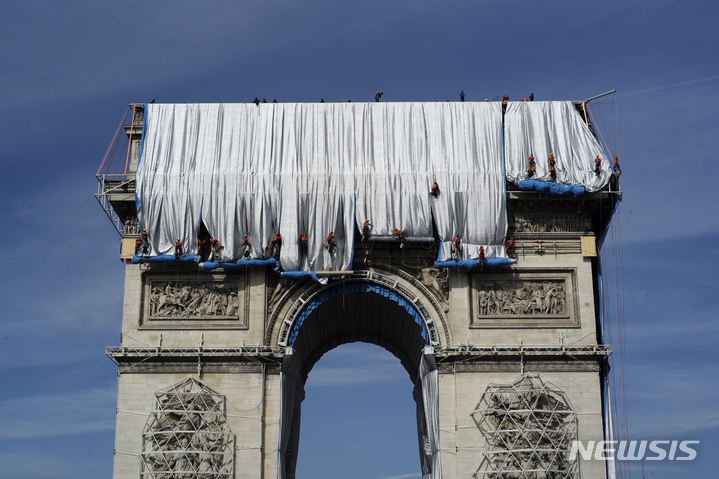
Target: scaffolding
[[187, 434], [528, 428], [116, 174]]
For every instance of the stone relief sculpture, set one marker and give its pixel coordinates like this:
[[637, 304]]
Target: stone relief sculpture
[[187, 435], [514, 298], [549, 223], [275, 291], [436, 281], [193, 300], [139, 117], [132, 226], [528, 428]]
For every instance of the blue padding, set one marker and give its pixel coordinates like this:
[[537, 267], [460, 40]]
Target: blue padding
[[165, 258], [472, 263], [352, 288], [240, 263], [300, 274], [551, 188]]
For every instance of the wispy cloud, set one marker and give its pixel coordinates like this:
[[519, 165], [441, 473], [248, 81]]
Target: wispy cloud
[[357, 364], [62, 414], [46, 464]]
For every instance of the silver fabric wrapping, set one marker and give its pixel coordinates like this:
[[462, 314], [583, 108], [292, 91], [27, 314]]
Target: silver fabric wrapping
[[464, 143], [426, 396], [319, 167], [544, 127]]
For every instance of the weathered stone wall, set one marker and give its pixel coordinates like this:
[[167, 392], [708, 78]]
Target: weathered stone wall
[[256, 301], [251, 410]]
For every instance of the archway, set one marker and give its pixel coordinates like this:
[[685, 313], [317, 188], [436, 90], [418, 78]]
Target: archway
[[351, 311], [358, 417]]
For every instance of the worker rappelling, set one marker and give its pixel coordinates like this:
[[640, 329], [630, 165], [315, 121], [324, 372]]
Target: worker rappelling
[[532, 168], [400, 236], [275, 245], [456, 242], [331, 244], [366, 228], [551, 162], [215, 247], [435, 189], [246, 246]]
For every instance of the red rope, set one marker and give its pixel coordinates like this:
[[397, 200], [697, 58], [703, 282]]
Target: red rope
[[113, 140]]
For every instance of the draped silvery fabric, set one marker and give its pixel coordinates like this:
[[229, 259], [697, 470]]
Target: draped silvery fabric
[[541, 128], [392, 169], [426, 396], [311, 169], [465, 156]]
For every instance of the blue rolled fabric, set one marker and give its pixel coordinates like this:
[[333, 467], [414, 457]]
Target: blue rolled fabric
[[551, 188], [300, 274], [165, 258], [473, 263], [351, 288], [240, 263]]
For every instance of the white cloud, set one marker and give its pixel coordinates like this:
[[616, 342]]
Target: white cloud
[[62, 414], [47, 465], [356, 363]]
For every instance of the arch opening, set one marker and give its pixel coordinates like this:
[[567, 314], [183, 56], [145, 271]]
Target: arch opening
[[358, 419], [351, 312]]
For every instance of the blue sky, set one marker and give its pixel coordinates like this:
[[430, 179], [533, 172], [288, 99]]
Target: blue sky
[[68, 70]]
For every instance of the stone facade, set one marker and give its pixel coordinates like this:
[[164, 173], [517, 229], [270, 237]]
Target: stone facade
[[163, 308], [228, 329]]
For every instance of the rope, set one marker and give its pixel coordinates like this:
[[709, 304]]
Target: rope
[[113, 140], [606, 147]]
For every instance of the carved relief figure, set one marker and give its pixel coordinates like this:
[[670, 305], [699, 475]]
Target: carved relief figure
[[187, 435], [192, 300], [132, 226], [436, 282], [512, 298], [549, 223], [280, 288]]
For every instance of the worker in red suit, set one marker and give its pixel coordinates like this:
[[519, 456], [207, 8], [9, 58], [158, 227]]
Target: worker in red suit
[[145, 242], [330, 244], [532, 168], [552, 170], [366, 228], [456, 242], [435, 189]]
